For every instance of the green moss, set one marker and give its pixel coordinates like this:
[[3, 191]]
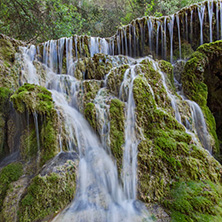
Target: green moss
[[193, 76], [48, 141], [116, 112], [195, 201], [8, 174], [167, 153], [195, 79], [186, 51], [7, 51], [4, 98], [34, 98], [167, 68], [37, 99], [115, 78], [90, 114], [48, 194], [28, 144]]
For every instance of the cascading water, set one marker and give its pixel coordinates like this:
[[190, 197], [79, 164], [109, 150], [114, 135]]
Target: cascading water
[[99, 195], [178, 27], [201, 11], [200, 125], [210, 14], [150, 30], [191, 25], [170, 27], [164, 36], [130, 148], [102, 194], [157, 37]]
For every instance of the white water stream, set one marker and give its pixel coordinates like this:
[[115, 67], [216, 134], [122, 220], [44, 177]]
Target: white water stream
[[100, 195]]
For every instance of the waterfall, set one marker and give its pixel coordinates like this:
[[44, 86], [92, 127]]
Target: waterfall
[[122, 41], [178, 27], [104, 46], [170, 96], [217, 20], [191, 26], [102, 118], [118, 44], [186, 26], [201, 11], [200, 125], [165, 42], [170, 27], [157, 37], [134, 39], [220, 20], [126, 46], [69, 56], [142, 38], [162, 41], [99, 194], [150, 31], [60, 51], [129, 171], [210, 14], [76, 49], [94, 46], [35, 116], [130, 41]]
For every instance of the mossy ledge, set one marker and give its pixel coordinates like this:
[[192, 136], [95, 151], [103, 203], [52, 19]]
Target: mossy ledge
[[9, 174], [48, 194], [200, 70], [37, 100]]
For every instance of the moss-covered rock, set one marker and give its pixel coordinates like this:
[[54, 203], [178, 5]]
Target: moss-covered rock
[[4, 113], [35, 99], [201, 83], [116, 113], [93, 68], [9, 174], [48, 194], [195, 201], [115, 78], [166, 153], [7, 51], [90, 114], [167, 68], [12, 199]]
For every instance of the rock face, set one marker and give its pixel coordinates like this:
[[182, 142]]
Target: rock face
[[201, 83], [177, 174]]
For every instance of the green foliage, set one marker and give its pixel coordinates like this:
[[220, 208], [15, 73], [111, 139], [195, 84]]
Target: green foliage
[[40, 20], [9, 174], [166, 7]]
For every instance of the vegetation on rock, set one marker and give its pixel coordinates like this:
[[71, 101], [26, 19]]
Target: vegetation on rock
[[48, 194], [198, 86], [8, 174]]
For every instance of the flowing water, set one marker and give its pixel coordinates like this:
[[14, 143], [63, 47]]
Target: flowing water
[[201, 11], [179, 40], [102, 194]]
